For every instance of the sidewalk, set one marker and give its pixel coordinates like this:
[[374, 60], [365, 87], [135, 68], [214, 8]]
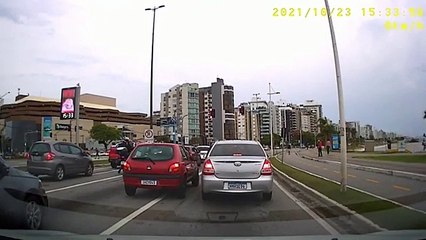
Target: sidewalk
[[419, 168]]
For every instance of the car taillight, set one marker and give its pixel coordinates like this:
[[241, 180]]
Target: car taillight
[[126, 166], [208, 168], [174, 168], [267, 168], [49, 156]]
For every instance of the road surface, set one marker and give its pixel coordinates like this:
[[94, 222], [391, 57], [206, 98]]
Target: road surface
[[98, 205]]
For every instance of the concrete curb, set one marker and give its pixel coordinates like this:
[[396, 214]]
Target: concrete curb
[[397, 173]]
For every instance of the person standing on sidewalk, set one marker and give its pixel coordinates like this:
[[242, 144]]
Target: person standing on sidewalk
[[328, 147], [424, 144], [319, 146], [97, 153]]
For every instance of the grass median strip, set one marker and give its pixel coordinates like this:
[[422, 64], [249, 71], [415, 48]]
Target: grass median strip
[[399, 158], [386, 214]]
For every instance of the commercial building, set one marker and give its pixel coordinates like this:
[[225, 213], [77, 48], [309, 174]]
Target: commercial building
[[21, 122]]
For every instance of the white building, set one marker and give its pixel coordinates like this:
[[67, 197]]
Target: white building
[[182, 103]]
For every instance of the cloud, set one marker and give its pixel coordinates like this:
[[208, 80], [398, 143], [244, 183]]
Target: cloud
[[70, 60], [32, 12]]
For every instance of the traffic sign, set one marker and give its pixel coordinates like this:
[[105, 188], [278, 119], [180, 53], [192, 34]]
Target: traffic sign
[[64, 127], [149, 135]]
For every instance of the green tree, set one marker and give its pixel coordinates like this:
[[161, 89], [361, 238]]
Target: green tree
[[266, 140], [104, 134], [195, 141], [308, 138], [326, 129]]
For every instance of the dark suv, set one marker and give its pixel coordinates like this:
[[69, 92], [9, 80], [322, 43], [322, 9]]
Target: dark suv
[[58, 159], [22, 197]]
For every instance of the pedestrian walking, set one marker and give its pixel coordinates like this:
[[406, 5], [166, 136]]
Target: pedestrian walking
[[328, 146], [424, 144], [97, 153], [319, 146]]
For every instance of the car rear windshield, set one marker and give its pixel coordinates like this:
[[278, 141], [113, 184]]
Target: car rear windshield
[[153, 153], [237, 150], [40, 148]]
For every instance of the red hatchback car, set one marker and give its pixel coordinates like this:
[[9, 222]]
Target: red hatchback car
[[159, 166]]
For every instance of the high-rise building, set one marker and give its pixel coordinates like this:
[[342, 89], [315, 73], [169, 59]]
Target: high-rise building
[[314, 107], [182, 103], [217, 103]]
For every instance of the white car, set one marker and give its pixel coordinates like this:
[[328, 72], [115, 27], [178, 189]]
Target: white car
[[237, 166], [203, 150]]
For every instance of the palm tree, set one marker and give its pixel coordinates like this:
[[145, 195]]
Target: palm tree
[[326, 129]]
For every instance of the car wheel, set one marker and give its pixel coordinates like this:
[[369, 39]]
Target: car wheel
[[267, 196], [59, 173], [89, 170], [195, 180], [33, 214], [182, 190], [130, 191]]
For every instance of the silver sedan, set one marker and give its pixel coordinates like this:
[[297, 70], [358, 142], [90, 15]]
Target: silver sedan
[[237, 166]]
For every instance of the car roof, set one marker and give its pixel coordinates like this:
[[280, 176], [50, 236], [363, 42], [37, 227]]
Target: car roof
[[54, 142], [158, 144], [237, 142]]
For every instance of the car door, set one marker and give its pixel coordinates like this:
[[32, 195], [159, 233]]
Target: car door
[[11, 190], [189, 164], [79, 159], [65, 158]]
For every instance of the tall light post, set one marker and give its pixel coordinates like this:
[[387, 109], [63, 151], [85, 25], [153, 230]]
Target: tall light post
[[270, 93], [1, 98], [181, 126], [343, 154], [152, 65]]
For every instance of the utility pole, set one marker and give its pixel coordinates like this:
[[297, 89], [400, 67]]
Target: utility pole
[[77, 114], [270, 93], [343, 154]]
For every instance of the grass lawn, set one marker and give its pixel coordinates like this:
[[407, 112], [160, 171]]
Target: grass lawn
[[397, 158], [383, 213]]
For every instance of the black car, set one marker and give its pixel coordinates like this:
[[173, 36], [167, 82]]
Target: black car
[[22, 197]]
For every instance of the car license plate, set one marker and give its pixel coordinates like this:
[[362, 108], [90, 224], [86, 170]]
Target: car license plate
[[237, 185], [149, 182]]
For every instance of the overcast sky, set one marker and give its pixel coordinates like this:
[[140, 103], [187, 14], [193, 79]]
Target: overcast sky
[[106, 47]]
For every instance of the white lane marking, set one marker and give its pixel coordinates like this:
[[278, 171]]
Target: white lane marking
[[366, 220], [131, 216], [82, 184], [359, 190], [317, 218]]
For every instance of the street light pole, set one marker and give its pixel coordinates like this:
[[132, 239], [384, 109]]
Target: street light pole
[[343, 154], [270, 93], [181, 126], [1, 98], [152, 67]]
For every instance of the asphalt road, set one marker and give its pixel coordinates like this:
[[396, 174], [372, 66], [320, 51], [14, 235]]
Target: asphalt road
[[98, 205], [406, 191]]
